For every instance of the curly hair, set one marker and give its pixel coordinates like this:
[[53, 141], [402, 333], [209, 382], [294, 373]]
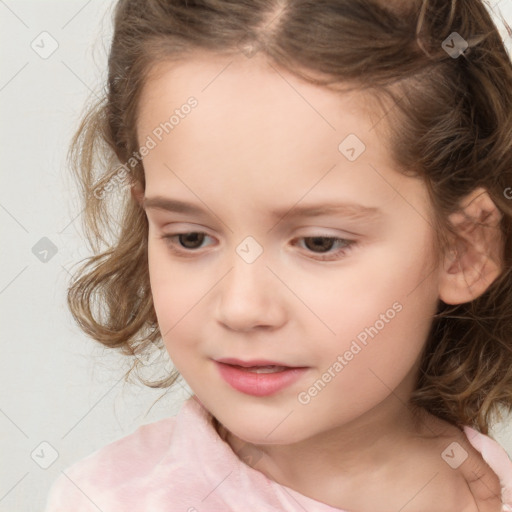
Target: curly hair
[[450, 122]]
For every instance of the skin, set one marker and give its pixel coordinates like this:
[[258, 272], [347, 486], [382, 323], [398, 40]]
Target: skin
[[259, 140]]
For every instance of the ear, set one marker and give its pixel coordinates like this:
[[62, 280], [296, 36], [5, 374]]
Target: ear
[[137, 192], [475, 255]]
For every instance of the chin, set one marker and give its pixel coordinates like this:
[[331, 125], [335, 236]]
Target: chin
[[264, 434]]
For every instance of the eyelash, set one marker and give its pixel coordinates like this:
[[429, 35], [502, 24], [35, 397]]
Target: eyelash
[[184, 252]]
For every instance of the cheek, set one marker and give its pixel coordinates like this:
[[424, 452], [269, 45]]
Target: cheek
[[381, 314], [178, 292], [378, 358], [389, 289], [174, 293]]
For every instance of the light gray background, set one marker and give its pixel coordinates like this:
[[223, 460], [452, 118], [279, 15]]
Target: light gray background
[[59, 387]]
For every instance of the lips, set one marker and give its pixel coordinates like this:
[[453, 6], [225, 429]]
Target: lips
[[258, 377], [255, 363]]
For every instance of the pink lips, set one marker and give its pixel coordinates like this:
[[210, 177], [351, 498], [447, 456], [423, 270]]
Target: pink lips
[[257, 384], [252, 362]]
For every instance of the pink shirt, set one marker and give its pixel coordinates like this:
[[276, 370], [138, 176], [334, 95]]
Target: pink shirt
[[181, 464]]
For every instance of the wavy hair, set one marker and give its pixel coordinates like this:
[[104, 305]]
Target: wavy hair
[[449, 121]]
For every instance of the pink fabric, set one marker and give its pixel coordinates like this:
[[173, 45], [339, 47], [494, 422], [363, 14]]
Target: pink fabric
[[181, 464]]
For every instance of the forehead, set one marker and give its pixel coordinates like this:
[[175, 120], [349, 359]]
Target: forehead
[[260, 132], [240, 99]]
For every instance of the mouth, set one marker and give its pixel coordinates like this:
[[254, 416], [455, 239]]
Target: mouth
[[258, 377], [257, 365], [260, 369]]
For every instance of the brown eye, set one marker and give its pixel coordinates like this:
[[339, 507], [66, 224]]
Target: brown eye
[[191, 240], [326, 248], [319, 243], [186, 244]]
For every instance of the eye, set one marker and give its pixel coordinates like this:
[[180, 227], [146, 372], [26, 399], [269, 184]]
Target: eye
[[323, 244], [185, 242]]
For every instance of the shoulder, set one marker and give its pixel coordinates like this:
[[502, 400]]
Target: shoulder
[[130, 455], [115, 464]]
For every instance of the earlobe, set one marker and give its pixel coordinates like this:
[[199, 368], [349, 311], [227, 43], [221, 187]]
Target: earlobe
[[474, 258]]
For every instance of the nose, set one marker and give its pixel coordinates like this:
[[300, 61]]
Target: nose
[[249, 297]]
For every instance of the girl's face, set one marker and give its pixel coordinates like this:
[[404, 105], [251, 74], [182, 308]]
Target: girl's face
[[306, 247]]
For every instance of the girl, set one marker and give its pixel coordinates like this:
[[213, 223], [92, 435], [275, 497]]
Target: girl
[[319, 232]]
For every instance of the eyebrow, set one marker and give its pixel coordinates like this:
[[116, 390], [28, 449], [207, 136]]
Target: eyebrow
[[350, 210]]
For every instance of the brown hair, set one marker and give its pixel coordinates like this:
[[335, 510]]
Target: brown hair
[[454, 114]]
